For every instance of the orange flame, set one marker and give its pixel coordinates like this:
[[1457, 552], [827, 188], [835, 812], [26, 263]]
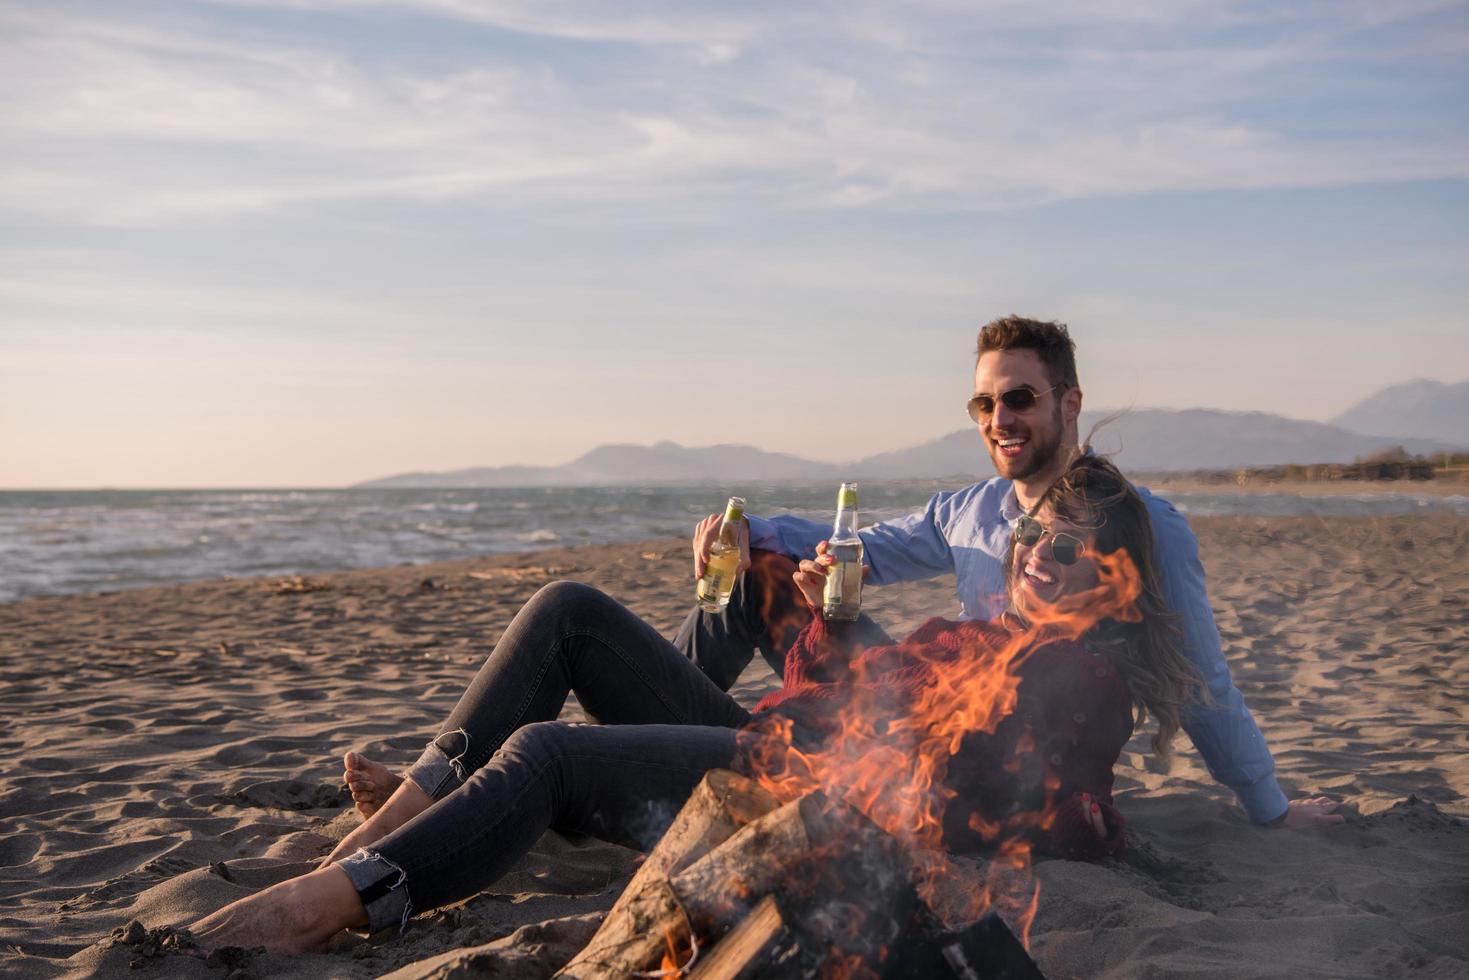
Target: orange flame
[[840, 966], [669, 966], [892, 767], [670, 954]]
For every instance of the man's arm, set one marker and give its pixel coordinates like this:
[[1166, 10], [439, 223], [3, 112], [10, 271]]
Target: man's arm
[[902, 550], [1224, 732]]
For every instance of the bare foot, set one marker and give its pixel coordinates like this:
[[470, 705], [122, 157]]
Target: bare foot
[[371, 782], [405, 803], [296, 916]]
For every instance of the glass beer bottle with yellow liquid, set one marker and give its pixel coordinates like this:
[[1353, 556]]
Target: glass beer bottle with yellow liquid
[[718, 580], [842, 597]]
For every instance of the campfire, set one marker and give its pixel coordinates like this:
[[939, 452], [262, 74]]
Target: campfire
[[743, 886], [828, 860]]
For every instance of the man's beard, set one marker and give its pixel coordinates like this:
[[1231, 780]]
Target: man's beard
[[1041, 455]]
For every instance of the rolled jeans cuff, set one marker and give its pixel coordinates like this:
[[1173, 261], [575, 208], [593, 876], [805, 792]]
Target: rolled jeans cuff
[[382, 887], [436, 772]]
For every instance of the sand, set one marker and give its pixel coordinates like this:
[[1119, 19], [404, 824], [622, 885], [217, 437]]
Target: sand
[[168, 750]]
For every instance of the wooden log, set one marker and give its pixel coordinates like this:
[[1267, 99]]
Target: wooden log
[[984, 950], [838, 890], [720, 888], [988, 950], [761, 947], [636, 940], [844, 879], [723, 802]]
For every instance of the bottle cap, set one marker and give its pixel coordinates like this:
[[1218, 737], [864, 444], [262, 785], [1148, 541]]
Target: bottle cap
[[735, 509]]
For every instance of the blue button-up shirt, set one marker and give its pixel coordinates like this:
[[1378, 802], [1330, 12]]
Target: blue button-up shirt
[[967, 532]]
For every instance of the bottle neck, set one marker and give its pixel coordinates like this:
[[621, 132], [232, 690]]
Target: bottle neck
[[734, 514], [846, 524]]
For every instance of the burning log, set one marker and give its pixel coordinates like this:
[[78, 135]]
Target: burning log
[[721, 804], [985, 950], [761, 946], [811, 851], [649, 930], [635, 928], [740, 888], [988, 950], [717, 890]]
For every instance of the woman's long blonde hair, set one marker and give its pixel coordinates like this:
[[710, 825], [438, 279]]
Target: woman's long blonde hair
[[1093, 494]]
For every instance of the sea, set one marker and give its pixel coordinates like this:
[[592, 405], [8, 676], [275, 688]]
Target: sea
[[67, 542]]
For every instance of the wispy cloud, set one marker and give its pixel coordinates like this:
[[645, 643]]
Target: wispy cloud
[[931, 106]]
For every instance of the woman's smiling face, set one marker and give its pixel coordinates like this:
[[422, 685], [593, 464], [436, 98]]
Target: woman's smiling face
[[1037, 577]]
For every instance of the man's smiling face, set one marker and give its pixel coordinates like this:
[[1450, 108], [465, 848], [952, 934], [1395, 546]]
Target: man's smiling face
[[1023, 443]]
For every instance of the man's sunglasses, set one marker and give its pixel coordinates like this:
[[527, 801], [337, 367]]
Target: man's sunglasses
[[1065, 548], [1016, 400]]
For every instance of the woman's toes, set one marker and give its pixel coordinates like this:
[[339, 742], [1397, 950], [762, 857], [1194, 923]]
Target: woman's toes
[[371, 783]]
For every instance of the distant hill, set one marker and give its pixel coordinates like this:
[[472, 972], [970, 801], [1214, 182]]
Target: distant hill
[[1159, 440], [1149, 439], [1422, 408], [959, 453], [664, 462], [1198, 438]]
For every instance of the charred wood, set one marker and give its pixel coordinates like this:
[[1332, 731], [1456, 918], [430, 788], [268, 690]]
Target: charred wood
[[984, 950]]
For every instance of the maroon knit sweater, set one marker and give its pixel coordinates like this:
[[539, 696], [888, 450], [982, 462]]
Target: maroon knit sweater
[[1072, 717]]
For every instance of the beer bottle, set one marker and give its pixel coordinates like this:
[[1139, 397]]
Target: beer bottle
[[718, 580], [842, 597]]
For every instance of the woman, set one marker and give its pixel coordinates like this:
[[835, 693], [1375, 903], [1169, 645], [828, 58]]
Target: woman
[[501, 773]]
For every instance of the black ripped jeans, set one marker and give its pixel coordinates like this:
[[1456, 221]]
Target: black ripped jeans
[[502, 771]]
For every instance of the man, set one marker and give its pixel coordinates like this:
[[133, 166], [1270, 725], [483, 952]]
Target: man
[[1027, 399]]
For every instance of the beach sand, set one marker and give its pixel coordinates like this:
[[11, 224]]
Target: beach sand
[[168, 750]]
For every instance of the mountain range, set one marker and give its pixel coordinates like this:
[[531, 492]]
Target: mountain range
[[1420, 408], [1148, 439]]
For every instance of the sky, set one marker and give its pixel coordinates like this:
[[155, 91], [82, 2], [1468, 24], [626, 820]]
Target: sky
[[312, 242]]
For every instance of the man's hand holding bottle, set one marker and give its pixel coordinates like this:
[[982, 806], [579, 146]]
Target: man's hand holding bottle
[[707, 532]]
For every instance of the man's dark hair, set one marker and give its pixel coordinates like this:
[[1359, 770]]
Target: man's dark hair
[[1051, 342]]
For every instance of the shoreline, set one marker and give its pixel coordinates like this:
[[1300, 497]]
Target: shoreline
[[1310, 488]]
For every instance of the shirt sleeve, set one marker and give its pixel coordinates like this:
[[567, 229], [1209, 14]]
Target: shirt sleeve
[[1223, 731], [794, 537], [902, 550]]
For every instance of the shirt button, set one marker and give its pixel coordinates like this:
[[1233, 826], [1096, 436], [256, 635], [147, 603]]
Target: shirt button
[[1079, 718], [1101, 671], [1055, 758]]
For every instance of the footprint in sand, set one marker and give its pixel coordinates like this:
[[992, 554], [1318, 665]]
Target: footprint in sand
[[110, 724], [18, 849], [130, 883], [47, 763], [303, 694], [291, 794]]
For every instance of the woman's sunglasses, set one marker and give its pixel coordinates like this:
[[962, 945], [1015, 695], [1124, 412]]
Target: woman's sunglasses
[[1065, 548], [1016, 400]]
